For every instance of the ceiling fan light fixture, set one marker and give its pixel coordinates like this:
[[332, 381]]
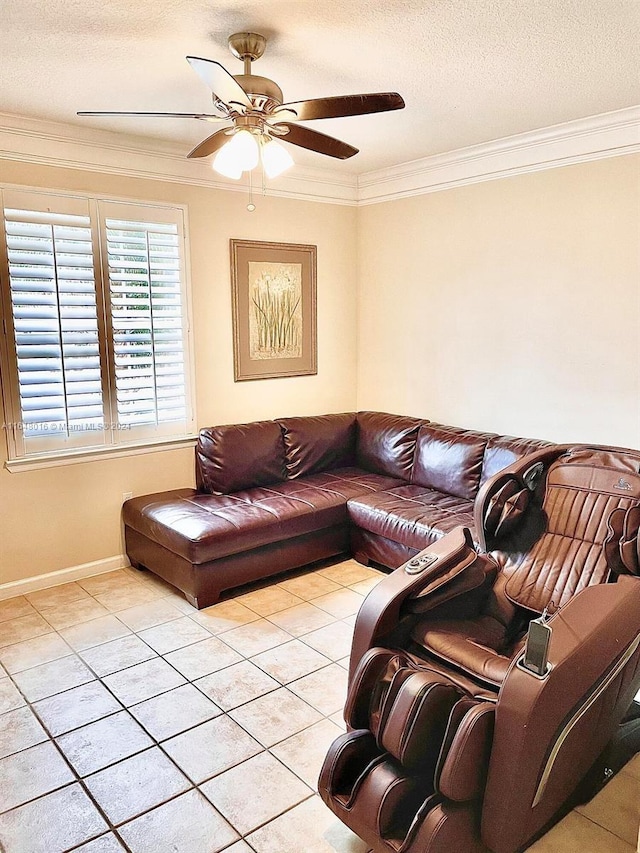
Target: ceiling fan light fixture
[[240, 154], [275, 158]]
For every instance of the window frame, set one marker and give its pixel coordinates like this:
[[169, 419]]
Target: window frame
[[18, 458]]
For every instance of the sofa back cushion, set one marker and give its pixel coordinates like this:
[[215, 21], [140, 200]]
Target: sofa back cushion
[[240, 456], [504, 450], [449, 459], [386, 443], [318, 443]]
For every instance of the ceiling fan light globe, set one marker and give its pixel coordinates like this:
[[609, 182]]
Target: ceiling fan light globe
[[225, 163], [275, 158], [245, 149]]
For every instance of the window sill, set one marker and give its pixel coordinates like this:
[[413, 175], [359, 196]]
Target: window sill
[[75, 457]]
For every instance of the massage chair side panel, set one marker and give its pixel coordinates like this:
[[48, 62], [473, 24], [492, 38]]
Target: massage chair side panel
[[550, 731]]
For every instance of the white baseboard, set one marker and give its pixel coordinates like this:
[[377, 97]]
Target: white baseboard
[[73, 573]]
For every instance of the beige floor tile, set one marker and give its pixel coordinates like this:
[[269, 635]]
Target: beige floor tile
[[73, 613], [338, 719], [305, 752], [100, 744], [117, 654], [149, 614], [174, 635], [33, 652], [340, 604], [94, 633], [31, 773], [143, 681], [310, 586], [577, 834], [174, 712], [10, 697], [349, 572], [53, 677], [309, 827], [268, 600], [19, 729], [14, 608], [56, 596], [225, 616], [149, 579], [76, 707], [129, 596], [301, 619], [255, 637], [105, 844], [52, 824], [290, 661], [325, 689], [274, 717], [137, 784], [344, 662], [633, 766], [254, 792], [23, 628], [203, 658], [365, 587], [236, 685], [65, 615], [617, 807], [238, 847], [177, 599], [211, 748], [333, 641], [106, 582], [188, 824]]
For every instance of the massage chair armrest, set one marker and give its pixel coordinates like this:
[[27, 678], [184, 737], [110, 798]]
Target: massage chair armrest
[[550, 731], [445, 569], [516, 474]]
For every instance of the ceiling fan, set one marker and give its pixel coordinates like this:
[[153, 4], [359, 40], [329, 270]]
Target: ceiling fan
[[256, 117]]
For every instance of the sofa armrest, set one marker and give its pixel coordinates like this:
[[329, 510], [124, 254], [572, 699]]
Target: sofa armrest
[[549, 731], [449, 567]]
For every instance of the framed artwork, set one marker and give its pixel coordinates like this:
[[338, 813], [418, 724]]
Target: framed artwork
[[274, 309]]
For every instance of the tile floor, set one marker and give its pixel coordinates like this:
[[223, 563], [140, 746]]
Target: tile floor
[[131, 722]]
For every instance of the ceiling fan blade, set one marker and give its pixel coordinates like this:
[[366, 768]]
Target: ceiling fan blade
[[221, 83], [210, 145], [314, 141], [342, 105], [201, 116]]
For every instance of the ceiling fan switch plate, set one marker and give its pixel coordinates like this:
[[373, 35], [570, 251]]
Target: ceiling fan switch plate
[[247, 45]]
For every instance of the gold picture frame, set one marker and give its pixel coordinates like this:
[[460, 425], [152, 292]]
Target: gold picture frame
[[273, 289]]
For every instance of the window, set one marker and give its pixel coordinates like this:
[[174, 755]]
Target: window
[[96, 349]]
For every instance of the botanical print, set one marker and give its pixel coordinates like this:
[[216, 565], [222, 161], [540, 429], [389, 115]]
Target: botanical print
[[275, 310]]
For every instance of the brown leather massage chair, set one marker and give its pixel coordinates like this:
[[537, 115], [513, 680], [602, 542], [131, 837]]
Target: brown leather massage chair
[[455, 742]]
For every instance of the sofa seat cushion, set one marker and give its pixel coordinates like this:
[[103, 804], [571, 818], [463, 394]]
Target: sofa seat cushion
[[477, 646], [202, 527], [414, 516]]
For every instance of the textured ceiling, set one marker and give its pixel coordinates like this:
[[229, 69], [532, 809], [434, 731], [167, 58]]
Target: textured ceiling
[[469, 70]]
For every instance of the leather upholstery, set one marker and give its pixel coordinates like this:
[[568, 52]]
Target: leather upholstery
[[318, 443], [386, 443], [414, 516], [449, 459], [238, 456], [503, 450], [202, 527]]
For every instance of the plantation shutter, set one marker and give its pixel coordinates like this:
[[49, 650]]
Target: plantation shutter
[[54, 314], [146, 293]]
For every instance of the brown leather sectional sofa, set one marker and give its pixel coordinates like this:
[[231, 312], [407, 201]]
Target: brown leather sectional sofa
[[275, 495]]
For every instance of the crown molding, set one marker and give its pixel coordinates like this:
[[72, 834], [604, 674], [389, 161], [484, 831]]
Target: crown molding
[[50, 143], [596, 137]]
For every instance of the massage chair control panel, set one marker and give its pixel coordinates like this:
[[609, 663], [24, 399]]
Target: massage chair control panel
[[419, 563]]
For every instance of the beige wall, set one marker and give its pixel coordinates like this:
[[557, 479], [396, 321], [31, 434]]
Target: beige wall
[[512, 305], [60, 517]]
